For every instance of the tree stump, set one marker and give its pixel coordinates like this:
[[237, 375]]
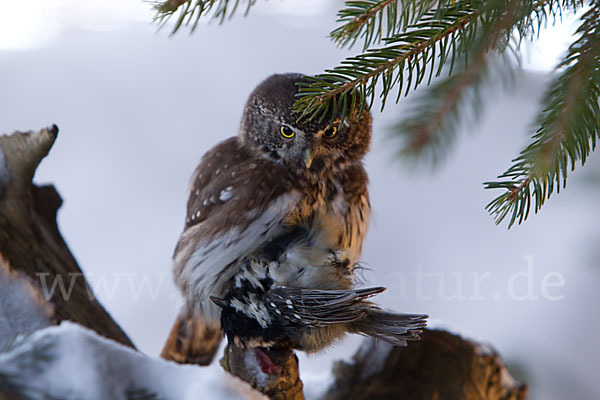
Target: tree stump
[[32, 249], [441, 366]]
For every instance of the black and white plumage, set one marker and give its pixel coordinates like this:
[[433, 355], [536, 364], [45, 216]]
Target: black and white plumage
[[259, 312], [285, 192]]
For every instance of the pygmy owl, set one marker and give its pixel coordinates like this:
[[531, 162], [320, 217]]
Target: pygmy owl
[[275, 223]]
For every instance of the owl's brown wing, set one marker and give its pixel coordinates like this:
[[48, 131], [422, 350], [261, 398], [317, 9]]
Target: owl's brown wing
[[232, 187], [237, 204]]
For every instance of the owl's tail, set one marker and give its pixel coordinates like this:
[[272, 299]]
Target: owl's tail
[[193, 340], [393, 328]]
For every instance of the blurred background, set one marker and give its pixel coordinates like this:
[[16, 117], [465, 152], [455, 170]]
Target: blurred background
[[137, 109]]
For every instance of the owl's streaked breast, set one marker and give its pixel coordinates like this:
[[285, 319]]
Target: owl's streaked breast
[[335, 218]]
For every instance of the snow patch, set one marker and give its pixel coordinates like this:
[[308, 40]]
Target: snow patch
[[20, 311], [316, 384], [377, 351], [71, 362]]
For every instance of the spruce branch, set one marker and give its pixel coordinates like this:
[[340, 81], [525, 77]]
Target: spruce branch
[[364, 18], [375, 20], [420, 40], [430, 124], [190, 11], [537, 14], [429, 127], [569, 128], [465, 31], [403, 62]]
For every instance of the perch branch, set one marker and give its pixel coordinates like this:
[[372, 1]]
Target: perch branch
[[283, 384]]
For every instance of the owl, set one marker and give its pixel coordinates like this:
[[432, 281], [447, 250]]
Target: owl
[[276, 219]]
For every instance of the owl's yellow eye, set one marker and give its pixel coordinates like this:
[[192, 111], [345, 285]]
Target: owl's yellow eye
[[286, 132], [330, 132]]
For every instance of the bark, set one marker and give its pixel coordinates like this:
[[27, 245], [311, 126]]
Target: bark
[[440, 366], [31, 246]]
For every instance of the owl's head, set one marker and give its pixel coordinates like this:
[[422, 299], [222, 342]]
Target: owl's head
[[271, 130]]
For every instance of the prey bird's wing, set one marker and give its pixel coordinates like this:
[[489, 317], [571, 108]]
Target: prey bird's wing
[[320, 307]]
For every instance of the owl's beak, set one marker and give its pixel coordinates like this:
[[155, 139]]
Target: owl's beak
[[308, 158]]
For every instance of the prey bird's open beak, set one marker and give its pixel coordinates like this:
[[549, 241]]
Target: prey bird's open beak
[[308, 158]]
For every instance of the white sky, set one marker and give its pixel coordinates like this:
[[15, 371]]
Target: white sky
[[36, 23]]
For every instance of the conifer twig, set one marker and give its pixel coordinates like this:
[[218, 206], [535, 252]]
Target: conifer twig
[[569, 129]]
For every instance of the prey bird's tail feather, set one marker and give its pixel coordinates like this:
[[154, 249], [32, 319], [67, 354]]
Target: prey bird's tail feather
[[192, 340], [393, 328], [320, 308]]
